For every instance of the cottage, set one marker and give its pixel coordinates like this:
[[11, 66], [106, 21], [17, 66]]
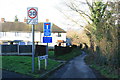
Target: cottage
[[10, 31]]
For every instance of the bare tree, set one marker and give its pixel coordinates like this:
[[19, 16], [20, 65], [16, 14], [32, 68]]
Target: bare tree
[[94, 17], [77, 37]]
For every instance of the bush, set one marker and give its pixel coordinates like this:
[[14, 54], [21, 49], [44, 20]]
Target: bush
[[74, 46], [59, 50]]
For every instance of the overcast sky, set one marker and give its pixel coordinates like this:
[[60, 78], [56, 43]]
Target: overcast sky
[[47, 9], [10, 8]]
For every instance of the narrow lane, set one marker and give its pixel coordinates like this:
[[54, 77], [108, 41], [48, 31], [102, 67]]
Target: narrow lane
[[75, 68]]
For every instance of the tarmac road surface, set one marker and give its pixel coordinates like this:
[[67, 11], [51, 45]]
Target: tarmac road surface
[[76, 68]]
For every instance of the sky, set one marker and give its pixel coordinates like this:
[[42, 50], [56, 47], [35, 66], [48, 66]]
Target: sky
[[10, 8], [47, 9]]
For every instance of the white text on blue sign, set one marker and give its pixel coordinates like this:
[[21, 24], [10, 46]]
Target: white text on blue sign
[[47, 29]]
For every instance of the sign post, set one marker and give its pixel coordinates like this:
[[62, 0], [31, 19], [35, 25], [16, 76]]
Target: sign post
[[46, 39], [33, 48], [41, 58], [32, 18], [46, 60]]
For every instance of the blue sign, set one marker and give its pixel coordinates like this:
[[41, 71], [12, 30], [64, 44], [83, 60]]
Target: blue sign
[[47, 29], [47, 39]]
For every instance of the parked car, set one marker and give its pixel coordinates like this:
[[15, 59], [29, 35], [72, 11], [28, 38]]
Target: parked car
[[68, 42]]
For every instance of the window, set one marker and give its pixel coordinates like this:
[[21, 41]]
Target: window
[[4, 33], [16, 33], [1, 34], [59, 34]]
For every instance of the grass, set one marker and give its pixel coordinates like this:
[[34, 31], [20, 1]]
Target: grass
[[106, 71], [69, 56], [51, 54], [22, 65]]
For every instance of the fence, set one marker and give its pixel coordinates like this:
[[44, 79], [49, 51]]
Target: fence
[[25, 48], [16, 48], [40, 50], [9, 48]]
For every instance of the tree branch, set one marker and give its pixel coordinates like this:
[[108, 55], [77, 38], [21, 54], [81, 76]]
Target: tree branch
[[81, 13]]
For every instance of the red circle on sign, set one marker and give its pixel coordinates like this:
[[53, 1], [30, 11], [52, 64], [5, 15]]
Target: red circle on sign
[[33, 10]]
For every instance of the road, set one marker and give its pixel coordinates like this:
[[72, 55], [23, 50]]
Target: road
[[75, 68], [8, 74]]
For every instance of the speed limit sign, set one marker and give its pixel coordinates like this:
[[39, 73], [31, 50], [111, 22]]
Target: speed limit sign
[[32, 15]]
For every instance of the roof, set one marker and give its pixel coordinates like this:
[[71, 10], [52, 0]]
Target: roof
[[20, 26]]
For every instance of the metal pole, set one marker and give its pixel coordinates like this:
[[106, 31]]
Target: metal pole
[[18, 48], [38, 62], [45, 63], [47, 49], [0, 49], [46, 60], [33, 48]]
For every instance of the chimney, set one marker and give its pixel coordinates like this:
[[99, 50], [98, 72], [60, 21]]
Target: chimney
[[47, 20], [2, 20], [25, 20]]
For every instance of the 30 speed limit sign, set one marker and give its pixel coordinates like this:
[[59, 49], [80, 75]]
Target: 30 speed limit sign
[[32, 15]]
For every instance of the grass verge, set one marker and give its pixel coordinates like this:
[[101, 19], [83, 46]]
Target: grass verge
[[51, 54], [69, 56], [104, 70], [22, 65]]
